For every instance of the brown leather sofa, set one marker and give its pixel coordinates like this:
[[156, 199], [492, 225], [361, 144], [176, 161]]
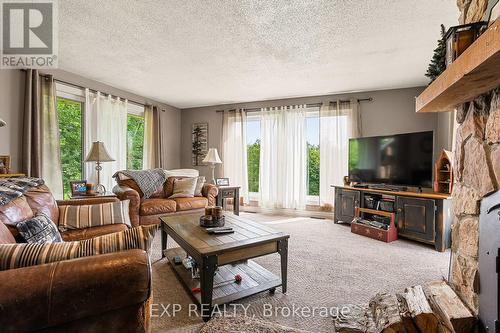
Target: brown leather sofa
[[104, 293], [148, 211]]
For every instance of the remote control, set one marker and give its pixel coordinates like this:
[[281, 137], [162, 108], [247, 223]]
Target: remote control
[[218, 232], [218, 228]]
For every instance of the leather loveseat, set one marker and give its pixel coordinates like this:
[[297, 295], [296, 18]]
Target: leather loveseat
[[103, 293], [148, 211]]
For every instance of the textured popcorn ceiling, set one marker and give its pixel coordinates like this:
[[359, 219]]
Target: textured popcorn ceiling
[[204, 52]]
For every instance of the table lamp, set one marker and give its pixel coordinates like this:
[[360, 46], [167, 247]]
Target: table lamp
[[99, 154], [212, 158]]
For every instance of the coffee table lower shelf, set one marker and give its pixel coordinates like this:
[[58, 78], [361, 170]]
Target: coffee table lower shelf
[[256, 279]]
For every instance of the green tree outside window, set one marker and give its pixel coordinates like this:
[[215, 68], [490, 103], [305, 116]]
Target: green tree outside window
[[70, 134], [135, 142]]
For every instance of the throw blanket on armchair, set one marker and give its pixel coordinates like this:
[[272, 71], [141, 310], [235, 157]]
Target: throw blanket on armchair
[[12, 188], [147, 180]]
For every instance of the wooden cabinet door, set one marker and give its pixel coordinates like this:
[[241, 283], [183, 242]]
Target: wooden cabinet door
[[416, 218], [346, 202]]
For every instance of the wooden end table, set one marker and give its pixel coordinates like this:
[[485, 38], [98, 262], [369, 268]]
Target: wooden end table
[[229, 192], [221, 257], [103, 195]]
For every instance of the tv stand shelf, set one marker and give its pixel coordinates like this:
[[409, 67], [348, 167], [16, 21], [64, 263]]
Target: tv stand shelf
[[422, 216]]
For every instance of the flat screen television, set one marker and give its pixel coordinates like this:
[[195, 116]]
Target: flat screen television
[[401, 159]]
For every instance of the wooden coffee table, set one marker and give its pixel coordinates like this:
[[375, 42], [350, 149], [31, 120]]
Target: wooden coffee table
[[221, 257]]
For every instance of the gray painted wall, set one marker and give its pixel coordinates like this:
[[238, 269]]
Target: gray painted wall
[[390, 112], [12, 106]]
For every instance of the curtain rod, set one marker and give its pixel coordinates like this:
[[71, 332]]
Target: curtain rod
[[96, 91], [312, 105]]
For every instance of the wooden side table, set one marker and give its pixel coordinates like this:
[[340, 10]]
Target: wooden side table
[[104, 195], [229, 192]]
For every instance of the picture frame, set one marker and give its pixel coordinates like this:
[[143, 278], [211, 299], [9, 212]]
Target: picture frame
[[4, 164], [199, 143], [222, 181], [78, 187]]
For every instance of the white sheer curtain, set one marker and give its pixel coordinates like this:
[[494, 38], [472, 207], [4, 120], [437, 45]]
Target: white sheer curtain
[[234, 150], [106, 121], [339, 121], [283, 157]]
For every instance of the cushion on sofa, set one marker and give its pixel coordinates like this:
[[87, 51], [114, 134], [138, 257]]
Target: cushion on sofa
[[157, 206], [5, 235], [191, 203], [30, 254], [81, 234], [39, 229], [184, 188], [86, 216], [199, 186]]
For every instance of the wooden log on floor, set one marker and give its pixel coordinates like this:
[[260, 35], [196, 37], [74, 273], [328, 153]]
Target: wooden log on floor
[[449, 307], [351, 320], [416, 311], [383, 314]]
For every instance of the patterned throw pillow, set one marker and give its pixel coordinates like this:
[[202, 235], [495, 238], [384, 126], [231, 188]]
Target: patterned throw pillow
[[31, 254], [39, 229], [199, 186], [184, 188], [86, 216]]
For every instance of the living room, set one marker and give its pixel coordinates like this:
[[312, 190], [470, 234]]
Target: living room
[[248, 166]]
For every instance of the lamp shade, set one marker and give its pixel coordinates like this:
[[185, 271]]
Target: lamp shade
[[2, 123], [212, 157], [98, 153]]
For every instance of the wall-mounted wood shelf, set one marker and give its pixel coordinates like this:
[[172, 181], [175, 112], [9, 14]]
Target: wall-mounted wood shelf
[[473, 73]]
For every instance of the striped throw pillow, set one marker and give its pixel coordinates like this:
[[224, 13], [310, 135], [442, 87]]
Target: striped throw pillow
[[86, 216], [31, 254]]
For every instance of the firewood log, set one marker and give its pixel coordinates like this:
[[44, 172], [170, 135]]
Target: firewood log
[[449, 307], [416, 311]]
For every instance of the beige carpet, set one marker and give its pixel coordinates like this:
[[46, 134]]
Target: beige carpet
[[328, 267]]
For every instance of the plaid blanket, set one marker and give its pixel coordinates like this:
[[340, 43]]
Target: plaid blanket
[[12, 188], [147, 180]]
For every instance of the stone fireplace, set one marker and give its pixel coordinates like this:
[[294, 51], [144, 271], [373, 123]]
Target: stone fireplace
[[477, 173]]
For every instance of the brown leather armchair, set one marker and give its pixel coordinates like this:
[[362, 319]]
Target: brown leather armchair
[[148, 211], [104, 293]]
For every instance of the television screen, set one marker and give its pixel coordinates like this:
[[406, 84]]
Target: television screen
[[401, 159]]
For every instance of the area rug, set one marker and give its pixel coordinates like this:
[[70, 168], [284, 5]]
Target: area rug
[[242, 324], [328, 267]]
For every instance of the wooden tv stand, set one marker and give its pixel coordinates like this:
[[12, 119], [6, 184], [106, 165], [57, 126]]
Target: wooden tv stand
[[422, 216]]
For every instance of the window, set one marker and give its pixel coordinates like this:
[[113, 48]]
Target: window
[[253, 153], [135, 136], [312, 138], [70, 113]]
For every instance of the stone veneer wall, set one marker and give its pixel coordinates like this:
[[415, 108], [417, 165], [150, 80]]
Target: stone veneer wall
[[477, 173]]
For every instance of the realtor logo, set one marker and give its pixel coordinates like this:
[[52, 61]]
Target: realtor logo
[[29, 38]]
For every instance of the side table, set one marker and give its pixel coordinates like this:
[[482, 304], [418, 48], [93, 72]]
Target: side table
[[104, 195], [229, 192]]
